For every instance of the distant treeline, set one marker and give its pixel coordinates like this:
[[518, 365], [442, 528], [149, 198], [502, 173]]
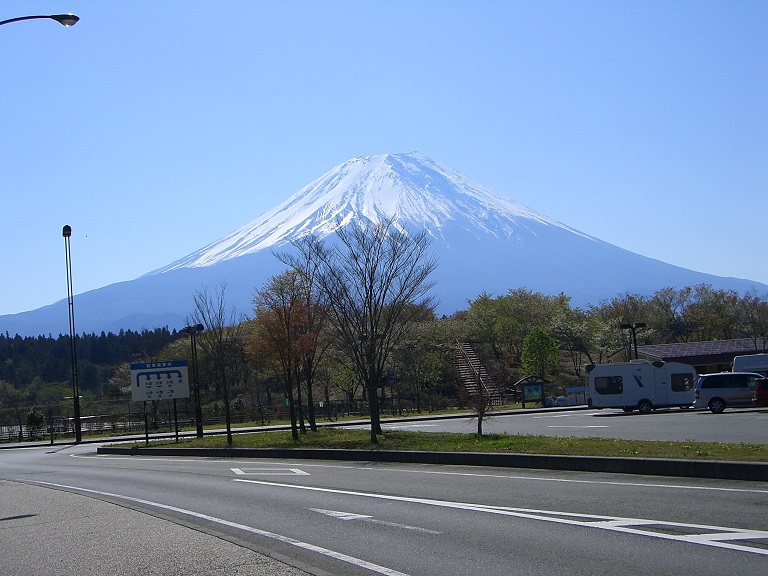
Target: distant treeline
[[24, 359]]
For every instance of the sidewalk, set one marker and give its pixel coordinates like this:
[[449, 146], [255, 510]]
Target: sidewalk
[[44, 531]]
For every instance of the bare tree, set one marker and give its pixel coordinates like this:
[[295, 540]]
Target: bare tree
[[370, 279], [279, 317], [221, 346], [311, 324], [479, 403]]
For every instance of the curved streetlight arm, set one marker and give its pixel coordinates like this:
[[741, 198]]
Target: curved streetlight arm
[[63, 19], [196, 329]]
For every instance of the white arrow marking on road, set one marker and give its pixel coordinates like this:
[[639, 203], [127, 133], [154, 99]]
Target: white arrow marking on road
[[270, 471], [342, 515], [697, 532], [250, 529], [353, 516]]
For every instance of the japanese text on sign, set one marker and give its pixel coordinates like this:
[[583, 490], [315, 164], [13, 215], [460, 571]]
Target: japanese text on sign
[[159, 381]]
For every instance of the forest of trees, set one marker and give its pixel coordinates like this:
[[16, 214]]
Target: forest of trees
[[36, 363], [351, 327]]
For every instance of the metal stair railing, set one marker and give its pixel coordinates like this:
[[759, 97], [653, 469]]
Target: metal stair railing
[[479, 384]]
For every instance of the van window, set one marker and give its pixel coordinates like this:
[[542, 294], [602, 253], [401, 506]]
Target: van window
[[681, 382], [744, 381], [719, 381], [609, 385]]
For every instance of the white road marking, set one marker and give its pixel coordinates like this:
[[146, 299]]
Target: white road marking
[[270, 471], [138, 459], [341, 515], [371, 519], [615, 524], [285, 539], [566, 415], [597, 482], [305, 464], [406, 425], [597, 426], [158, 459]]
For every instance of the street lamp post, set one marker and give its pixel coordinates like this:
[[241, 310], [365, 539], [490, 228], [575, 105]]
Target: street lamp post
[[67, 20], [633, 333], [193, 331], [67, 232]]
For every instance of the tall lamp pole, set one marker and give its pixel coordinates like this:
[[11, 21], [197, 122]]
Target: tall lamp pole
[[67, 20], [67, 232], [193, 331], [633, 333]]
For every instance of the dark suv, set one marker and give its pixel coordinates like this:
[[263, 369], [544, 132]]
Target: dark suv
[[718, 391]]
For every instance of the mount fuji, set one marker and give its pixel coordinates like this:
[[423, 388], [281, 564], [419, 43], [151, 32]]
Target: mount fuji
[[483, 241]]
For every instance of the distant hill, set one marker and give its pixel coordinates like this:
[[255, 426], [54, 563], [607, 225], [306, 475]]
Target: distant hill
[[484, 242]]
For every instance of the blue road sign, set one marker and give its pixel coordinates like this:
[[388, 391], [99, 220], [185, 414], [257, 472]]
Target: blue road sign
[[159, 381]]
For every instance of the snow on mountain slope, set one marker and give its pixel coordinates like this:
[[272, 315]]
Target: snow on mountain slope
[[417, 191], [483, 243]]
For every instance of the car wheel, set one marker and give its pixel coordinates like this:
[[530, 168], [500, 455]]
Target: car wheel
[[717, 405], [644, 407]]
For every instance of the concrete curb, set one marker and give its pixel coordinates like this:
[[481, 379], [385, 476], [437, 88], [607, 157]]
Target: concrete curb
[[749, 471]]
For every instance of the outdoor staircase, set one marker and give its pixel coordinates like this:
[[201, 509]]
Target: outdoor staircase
[[475, 376]]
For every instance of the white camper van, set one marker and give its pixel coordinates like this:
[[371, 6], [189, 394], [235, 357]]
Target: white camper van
[[751, 363], [641, 385]]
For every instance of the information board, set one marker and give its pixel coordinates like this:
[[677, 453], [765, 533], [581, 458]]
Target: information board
[[159, 381], [533, 392]]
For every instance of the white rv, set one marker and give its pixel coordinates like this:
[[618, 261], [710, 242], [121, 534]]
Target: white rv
[[751, 363], [641, 385]]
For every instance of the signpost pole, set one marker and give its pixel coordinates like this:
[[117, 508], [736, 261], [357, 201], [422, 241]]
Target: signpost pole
[[176, 420], [146, 425], [159, 381]]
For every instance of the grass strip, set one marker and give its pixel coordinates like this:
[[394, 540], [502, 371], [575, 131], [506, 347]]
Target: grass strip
[[344, 438]]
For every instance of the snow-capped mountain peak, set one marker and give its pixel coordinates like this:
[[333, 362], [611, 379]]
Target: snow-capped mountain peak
[[417, 191], [484, 243]]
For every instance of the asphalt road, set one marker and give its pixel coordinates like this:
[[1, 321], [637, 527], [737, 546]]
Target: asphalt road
[[46, 532], [732, 426], [396, 519]]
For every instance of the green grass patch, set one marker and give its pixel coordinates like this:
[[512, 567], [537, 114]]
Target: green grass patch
[[343, 438]]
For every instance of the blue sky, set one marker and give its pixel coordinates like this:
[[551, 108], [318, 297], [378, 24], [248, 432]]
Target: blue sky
[[156, 127]]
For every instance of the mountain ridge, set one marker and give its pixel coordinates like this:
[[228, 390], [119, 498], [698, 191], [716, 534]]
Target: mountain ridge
[[410, 187], [484, 243]]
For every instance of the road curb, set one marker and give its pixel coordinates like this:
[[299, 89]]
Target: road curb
[[749, 471]]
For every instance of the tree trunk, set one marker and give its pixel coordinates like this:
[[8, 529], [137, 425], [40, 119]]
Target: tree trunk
[[311, 407], [300, 403], [373, 404], [228, 417], [292, 412]]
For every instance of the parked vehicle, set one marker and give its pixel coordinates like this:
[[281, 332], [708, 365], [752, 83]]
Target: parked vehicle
[[640, 385], [751, 363], [725, 389], [760, 396]]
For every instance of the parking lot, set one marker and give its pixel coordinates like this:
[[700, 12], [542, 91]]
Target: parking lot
[[737, 426]]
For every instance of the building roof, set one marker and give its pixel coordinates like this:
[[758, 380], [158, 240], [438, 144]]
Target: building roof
[[696, 353]]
